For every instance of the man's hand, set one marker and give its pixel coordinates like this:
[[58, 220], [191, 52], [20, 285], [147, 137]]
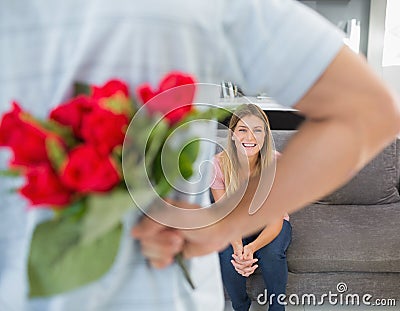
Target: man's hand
[[158, 243]]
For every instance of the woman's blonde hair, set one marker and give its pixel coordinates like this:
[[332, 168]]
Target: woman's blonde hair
[[229, 159]]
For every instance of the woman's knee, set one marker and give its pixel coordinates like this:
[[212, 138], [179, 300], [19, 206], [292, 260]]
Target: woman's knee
[[276, 249], [271, 253]]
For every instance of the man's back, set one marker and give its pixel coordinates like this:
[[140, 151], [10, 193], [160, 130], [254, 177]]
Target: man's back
[[46, 46]]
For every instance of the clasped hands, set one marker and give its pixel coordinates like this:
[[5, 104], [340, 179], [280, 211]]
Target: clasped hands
[[243, 258]]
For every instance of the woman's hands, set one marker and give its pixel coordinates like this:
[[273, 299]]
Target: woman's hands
[[237, 246], [244, 261]]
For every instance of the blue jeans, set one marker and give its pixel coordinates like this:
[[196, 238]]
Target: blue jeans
[[273, 265]]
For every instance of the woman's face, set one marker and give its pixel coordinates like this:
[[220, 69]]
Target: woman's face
[[249, 135]]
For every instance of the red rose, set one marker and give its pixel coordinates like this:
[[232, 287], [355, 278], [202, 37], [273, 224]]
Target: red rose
[[109, 89], [73, 112], [26, 138], [174, 104], [44, 187], [104, 129], [87, 171]]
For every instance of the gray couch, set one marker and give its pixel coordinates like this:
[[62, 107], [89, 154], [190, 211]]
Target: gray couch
[[351, 236]]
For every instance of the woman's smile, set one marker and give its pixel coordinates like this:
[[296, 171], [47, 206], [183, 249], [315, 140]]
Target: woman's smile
[[249, 145]]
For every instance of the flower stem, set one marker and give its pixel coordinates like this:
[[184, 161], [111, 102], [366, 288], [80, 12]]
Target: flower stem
[[181, 262]]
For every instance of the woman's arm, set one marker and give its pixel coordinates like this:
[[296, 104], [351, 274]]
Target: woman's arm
[[236, 243], [244, 264], [265, 237], [268, 234]]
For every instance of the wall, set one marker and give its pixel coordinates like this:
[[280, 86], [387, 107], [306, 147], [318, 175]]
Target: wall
[[339, 11], [372, 14], [391, 74], [391, 46]]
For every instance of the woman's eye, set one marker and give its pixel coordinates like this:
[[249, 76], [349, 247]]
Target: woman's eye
[[242, 130]]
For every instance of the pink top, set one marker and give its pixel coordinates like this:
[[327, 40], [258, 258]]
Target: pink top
[[219, 181]]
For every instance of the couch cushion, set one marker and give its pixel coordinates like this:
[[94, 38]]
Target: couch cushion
[[281, 138], [361, 238], [376, 183]]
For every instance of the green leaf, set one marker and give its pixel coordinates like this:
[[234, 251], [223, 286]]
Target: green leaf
[[74, 211], [188, 157], [191, 150], [56, 152], [185, 166], [157, 172], [141, 165], [13, 191], [119, 104], [81, 88], [138, 138], [143, 197], [155, 142], [219, 114], [181, 262], [117, 151], [10, 173], [167, 165], [65, 132], [58, 262], [163, 187], [103, 213]]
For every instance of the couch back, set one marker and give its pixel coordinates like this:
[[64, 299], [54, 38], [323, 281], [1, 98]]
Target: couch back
[[376, 183]]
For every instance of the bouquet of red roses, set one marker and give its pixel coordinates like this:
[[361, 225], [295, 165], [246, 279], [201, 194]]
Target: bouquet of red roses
[[72, 164]]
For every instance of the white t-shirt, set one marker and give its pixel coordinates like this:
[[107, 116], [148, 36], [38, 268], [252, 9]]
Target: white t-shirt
[[275, 46]]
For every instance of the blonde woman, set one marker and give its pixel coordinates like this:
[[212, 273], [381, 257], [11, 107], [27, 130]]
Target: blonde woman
[[249, 150]]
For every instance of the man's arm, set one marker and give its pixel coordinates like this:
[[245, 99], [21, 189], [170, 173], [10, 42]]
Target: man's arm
[[350, 116]]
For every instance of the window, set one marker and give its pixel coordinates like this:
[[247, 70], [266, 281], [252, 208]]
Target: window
[[391, 45]]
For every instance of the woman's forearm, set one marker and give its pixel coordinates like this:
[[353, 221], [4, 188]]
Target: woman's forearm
[[266, 236]]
